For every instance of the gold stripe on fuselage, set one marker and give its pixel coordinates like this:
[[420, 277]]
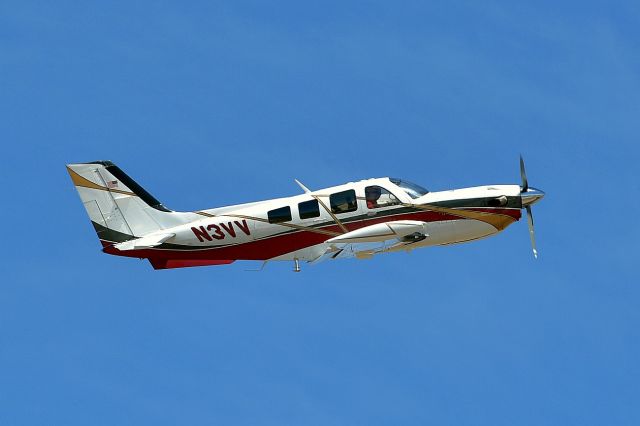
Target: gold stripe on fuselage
[[497, 220], [288, 225], [328, 210]]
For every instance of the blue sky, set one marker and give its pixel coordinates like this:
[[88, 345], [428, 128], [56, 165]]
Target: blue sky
[[213, 103]]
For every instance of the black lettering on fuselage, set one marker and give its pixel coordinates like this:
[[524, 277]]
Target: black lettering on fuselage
[[229, 229], [215, 231], [244, 227], [218, 235], [201, 233]]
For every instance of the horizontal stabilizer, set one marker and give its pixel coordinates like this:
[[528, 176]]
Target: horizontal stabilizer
[[146, 242]]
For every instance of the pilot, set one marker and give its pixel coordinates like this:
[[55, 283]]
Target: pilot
[[372, 194]]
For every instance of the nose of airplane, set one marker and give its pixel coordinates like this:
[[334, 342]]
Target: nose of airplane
[[531, 196]]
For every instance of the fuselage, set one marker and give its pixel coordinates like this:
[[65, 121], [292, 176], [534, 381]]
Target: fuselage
[[298, 227]]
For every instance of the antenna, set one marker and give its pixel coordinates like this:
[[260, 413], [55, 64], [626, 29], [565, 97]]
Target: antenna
[[304, 188]]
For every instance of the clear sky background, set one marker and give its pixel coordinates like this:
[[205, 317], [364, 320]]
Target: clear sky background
[[214, 103]]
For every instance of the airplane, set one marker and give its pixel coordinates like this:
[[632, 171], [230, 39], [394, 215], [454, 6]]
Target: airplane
[[356, 219]]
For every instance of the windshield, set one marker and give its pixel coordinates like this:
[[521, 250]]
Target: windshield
[[414, 191]]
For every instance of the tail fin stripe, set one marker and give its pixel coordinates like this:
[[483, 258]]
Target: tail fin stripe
[[86, 183], [111, 235]]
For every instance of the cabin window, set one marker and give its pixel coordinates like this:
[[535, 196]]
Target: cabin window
[[309, 209], [377, 197], [343, 202], [283, 214]]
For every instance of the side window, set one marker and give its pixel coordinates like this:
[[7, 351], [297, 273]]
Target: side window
[[309, 209], [283, 214], [377, 197], [343, 202]]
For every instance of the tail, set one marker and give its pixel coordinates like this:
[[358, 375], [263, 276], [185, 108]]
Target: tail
[[119, 208]]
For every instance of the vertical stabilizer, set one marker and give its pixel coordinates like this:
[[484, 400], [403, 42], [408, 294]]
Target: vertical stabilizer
[[118, 207]]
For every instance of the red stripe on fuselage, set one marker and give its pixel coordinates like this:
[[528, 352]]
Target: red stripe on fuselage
[[280, 244]]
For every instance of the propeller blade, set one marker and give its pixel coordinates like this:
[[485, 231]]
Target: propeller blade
[[523, 175], [531, 233]]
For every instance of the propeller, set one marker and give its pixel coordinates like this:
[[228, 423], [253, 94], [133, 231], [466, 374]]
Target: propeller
[[532, 234], [529, 196], [523, 175]]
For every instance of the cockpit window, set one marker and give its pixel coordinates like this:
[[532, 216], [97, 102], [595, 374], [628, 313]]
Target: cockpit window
[[376, 197], [414, 191]]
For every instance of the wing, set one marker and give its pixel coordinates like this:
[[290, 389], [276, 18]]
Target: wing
[[366, 242]]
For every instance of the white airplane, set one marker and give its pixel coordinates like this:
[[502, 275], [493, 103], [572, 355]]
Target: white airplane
[[357, 219]]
